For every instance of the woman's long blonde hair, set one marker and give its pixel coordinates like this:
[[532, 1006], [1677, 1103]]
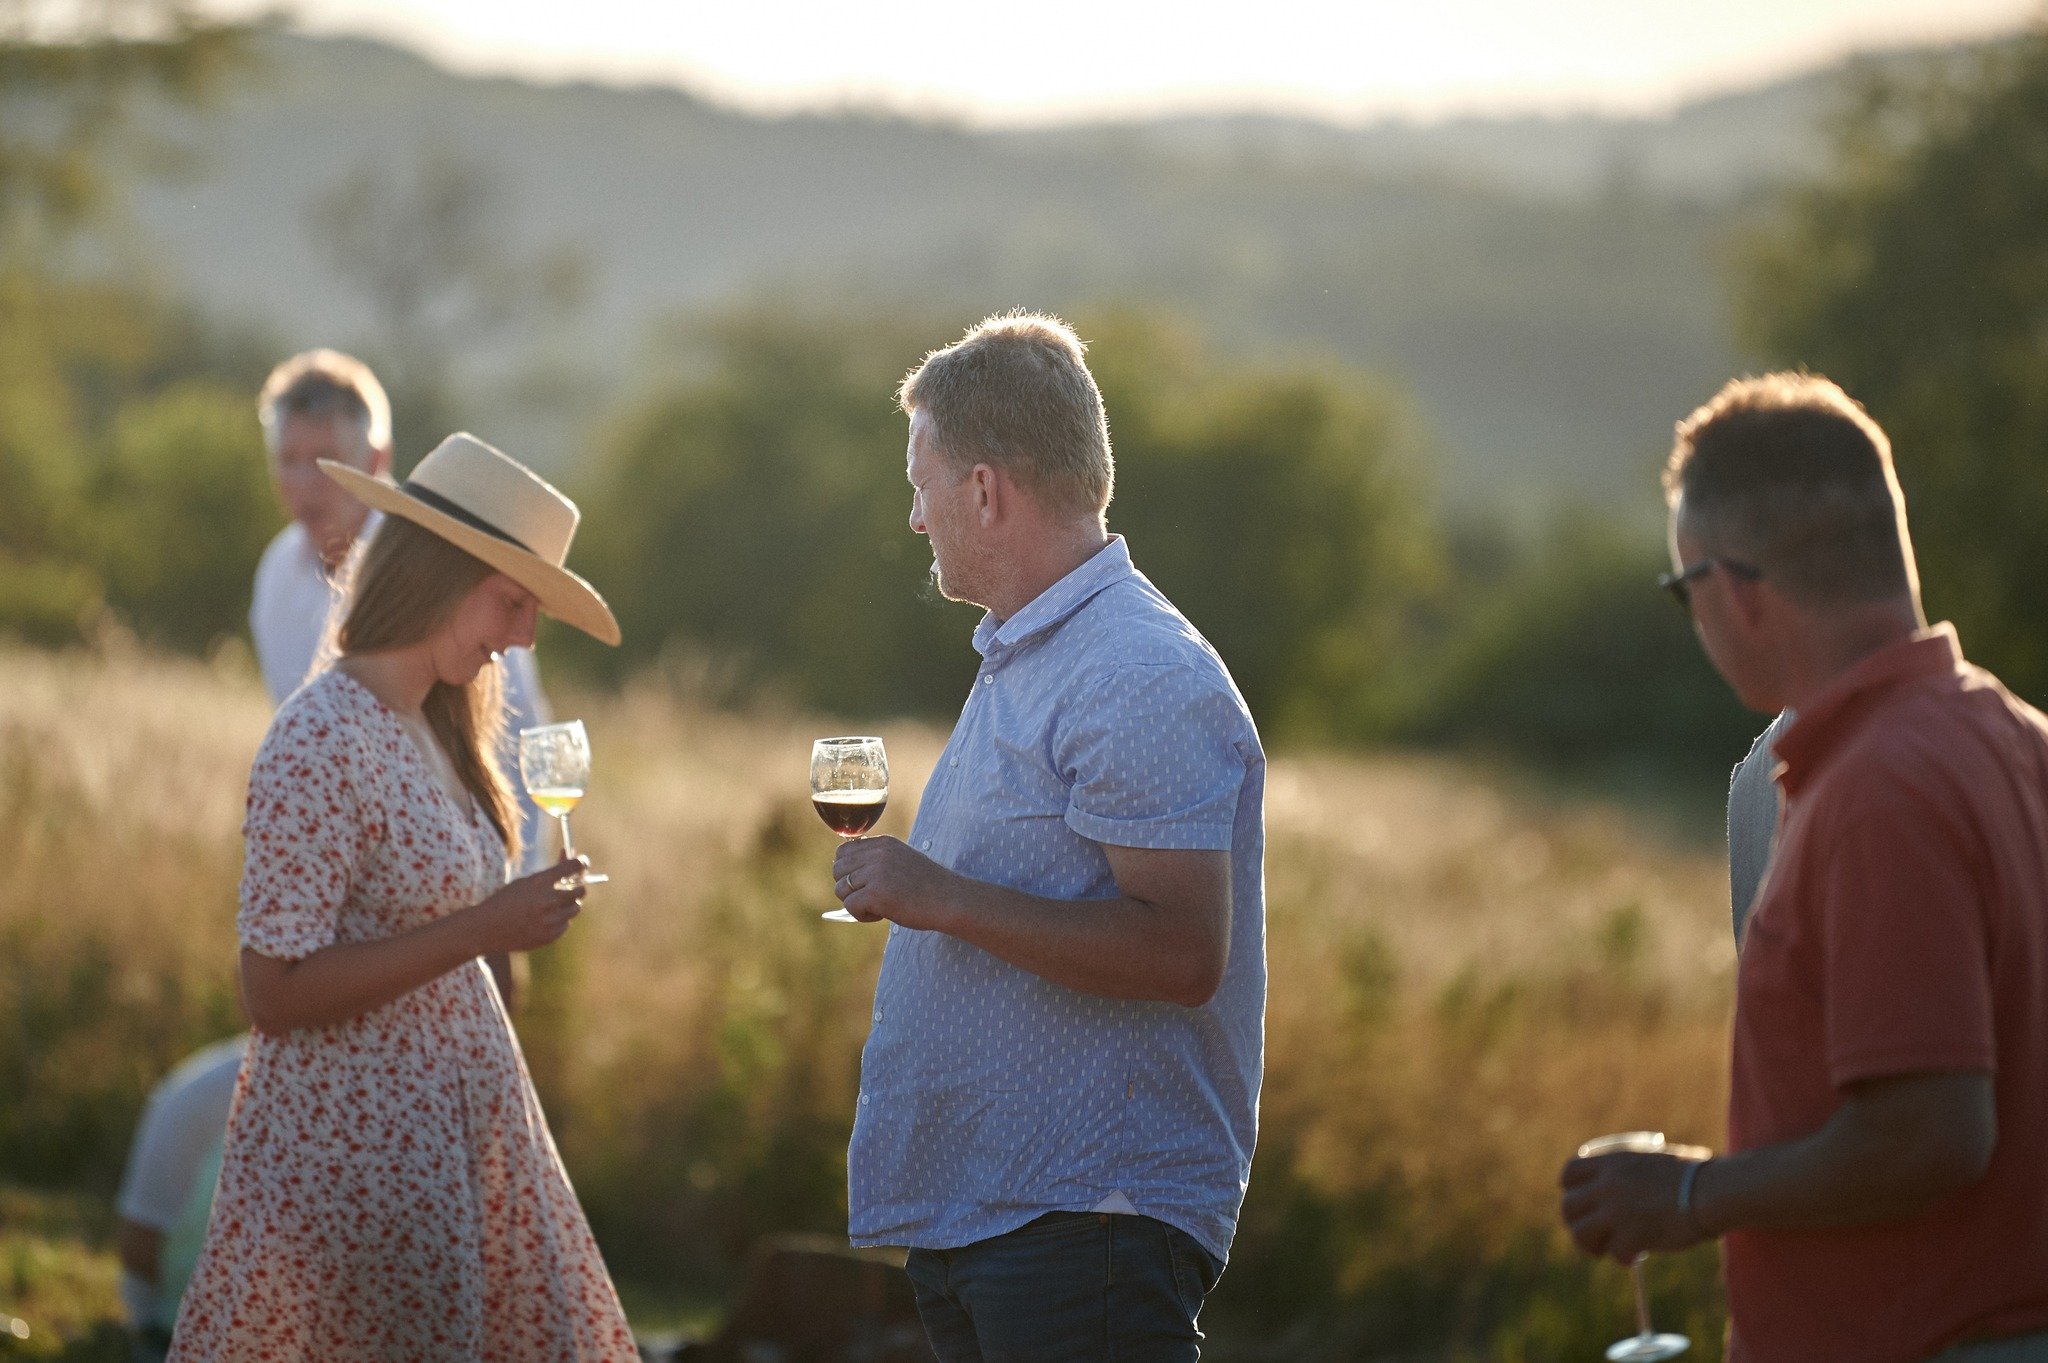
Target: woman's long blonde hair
[[405, 586]]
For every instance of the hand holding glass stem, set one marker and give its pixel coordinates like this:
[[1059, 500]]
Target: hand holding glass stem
[[1646, 1345]]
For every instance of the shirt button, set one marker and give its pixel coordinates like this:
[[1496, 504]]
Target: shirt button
[[925, 846], [863, 1100], [954, 763], [986, 678], [878, 1015]]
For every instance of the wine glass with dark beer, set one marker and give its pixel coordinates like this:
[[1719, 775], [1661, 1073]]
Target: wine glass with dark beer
[[1646, 1345], [849, 789]]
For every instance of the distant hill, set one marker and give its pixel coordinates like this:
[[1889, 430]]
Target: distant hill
[[1548, 289]]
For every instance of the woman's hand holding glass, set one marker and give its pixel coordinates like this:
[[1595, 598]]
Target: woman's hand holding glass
[[533, 911]]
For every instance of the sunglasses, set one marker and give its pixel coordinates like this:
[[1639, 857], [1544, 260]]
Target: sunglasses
[[1679, 584]]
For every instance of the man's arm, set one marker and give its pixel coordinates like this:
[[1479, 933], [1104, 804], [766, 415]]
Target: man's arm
[[1165, 937], [140, 1249], [1895, 1147]]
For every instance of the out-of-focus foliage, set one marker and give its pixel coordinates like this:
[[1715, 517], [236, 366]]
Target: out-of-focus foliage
[[184, 510], [1283, 512], [426, 249], [758, 511], [131, 471], [70, 78], [755, 514], [1916, 275], [1569, 658], [130, 475]]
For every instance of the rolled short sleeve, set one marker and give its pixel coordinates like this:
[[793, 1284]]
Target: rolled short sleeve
[[1153, 755], [303, 835], [1906, 957]]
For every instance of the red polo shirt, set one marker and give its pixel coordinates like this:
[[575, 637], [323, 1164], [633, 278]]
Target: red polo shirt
[[1903, 929]]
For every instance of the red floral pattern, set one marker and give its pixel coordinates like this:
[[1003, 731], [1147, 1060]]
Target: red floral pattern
[[390, 1191]]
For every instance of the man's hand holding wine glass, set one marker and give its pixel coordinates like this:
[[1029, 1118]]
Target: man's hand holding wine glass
[[1626, 1203], [878, 878]]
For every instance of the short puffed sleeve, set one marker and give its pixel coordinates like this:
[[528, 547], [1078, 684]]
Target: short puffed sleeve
[[306, 830]]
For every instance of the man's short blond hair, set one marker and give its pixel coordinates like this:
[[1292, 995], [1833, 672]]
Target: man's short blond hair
[[325, 380], [1015, 392]]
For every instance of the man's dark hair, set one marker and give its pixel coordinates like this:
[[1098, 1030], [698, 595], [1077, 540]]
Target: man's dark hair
[[1789, 473]]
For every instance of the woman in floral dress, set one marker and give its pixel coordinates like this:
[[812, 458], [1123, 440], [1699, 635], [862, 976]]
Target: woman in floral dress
[[390, 1191]]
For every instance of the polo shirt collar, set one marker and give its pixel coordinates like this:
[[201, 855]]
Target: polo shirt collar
[[1108, 565], [1828, 722]]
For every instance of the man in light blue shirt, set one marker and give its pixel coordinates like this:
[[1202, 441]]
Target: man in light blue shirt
[[1059, 1094]]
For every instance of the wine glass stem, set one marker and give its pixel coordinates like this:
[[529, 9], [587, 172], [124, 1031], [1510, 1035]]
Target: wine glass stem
[[1642, 1297], [568, 847]]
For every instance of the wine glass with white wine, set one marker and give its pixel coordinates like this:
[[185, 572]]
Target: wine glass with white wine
[[554, 762], [1646, 1345], [849, 789]]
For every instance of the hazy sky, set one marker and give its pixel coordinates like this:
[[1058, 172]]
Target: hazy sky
[[1090, 57]]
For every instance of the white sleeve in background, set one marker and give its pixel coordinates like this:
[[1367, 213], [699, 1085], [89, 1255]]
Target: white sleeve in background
[[288, 611], [526, 705], [1752, 821], [181, 1124]]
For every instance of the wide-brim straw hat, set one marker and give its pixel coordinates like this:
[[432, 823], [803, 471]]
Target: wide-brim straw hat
[[485, 502]]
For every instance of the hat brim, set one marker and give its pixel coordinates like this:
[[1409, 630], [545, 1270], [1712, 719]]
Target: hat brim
[[561, 593]]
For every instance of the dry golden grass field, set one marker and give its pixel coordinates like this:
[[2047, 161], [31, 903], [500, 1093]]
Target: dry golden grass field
[[1465, 983]]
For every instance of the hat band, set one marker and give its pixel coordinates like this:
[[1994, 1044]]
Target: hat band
[[460, 513]]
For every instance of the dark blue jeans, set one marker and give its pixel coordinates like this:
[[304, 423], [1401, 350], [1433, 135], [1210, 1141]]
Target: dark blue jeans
[[1071, 1287]]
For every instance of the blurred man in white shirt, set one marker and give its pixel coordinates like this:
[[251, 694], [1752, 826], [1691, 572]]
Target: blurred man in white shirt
[[325, 405], [167, 1188]]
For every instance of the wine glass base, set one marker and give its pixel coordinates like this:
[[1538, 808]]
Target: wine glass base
[[1647, 1348], [838, 916]]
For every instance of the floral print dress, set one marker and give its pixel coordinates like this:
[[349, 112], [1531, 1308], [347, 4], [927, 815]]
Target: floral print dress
[[389, 1191]]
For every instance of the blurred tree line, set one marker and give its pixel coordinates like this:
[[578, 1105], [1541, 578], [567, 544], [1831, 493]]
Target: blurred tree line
[[746, 514], [1917, 277], [131, 475]]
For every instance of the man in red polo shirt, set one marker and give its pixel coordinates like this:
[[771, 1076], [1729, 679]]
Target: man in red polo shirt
[[1885, 1191]]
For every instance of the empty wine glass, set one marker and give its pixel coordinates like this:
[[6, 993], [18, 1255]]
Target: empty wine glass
[[849, 789], [554, 762], [1646, 1345]]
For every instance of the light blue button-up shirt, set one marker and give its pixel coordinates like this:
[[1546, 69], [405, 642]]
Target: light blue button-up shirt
[[990, 1096]]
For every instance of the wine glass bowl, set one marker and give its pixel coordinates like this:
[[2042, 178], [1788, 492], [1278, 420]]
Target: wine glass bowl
[[1646, 1345], [849, 789], [554, 765]]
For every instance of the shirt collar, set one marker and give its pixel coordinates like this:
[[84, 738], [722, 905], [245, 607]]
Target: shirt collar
[[1108, 565], [311, 555], [1822, 727]]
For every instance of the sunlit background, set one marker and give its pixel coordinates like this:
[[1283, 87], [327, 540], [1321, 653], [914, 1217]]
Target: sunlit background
[[1393, 308], [1076, 59]]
